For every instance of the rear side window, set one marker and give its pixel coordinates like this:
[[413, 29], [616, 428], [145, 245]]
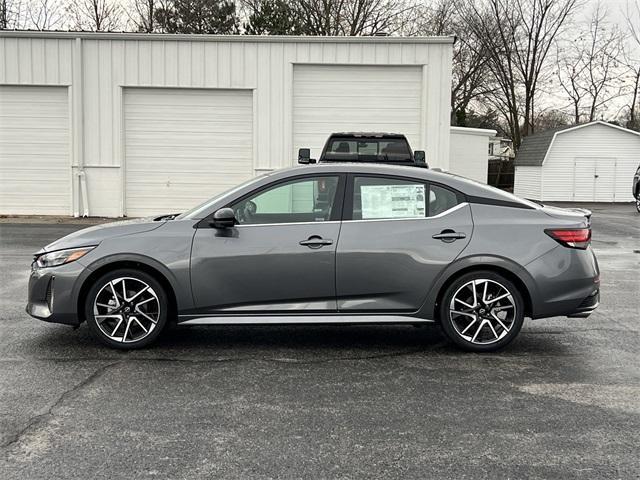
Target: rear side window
[[376, 198]]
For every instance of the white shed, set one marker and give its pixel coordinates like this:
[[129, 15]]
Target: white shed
[[137, 124], [594, 162], [469, 152]]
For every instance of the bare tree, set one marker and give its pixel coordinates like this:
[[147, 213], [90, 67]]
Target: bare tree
[[95, 15], [589, 67], [352, 17], [631, 59], [13, 14], [142, 14], [517, 36], [470, 76], [44, 14]]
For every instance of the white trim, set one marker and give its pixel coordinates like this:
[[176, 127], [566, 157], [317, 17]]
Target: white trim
[[225, 38], [597, 122], [226, 319], [483, 132], [441, 214], [329, 222]]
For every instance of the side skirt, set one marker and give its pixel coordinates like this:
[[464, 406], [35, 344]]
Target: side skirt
[[300, 319]]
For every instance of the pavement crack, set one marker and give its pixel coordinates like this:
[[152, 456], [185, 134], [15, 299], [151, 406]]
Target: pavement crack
[[37, 420]]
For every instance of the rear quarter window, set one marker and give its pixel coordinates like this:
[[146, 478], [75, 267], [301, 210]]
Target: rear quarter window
[[441, 199]]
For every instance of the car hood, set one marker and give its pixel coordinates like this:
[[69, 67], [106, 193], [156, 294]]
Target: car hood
[[96, 234]]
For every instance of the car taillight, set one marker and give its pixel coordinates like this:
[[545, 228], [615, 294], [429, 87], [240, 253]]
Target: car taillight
[[573, 238]]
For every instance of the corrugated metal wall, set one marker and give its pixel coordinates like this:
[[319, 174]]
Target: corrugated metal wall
[[98, 66]]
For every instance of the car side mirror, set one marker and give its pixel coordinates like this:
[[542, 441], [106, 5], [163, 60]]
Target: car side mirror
[[304, 156], [224, 218], [419, 156]]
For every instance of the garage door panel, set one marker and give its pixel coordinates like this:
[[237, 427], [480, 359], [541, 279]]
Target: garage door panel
[[334, 98], [35, 165], [183, 146], [158, 129]]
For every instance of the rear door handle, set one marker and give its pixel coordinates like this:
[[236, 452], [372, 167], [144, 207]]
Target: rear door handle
[[315, 241], [449, 236]]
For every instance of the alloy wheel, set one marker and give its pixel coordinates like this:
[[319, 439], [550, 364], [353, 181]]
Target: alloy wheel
[[482, 311], [126, 309], [638, 203]]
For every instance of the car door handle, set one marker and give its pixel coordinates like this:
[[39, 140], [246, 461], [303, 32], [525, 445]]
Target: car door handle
[[315, 241], [449, 236]]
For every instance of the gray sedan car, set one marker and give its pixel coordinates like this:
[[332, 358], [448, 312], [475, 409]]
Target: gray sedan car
[[332, 244]]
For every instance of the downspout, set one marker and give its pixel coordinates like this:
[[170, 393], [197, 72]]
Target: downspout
[[79, 177]]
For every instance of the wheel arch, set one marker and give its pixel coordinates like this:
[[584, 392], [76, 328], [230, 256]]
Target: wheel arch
[[500, 265], [109, 264]]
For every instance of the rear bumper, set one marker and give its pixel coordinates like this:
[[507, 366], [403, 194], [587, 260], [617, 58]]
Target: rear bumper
[[568, 283], [587, 307]]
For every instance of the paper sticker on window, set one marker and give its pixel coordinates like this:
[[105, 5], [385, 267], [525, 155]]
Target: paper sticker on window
[[392, 201]]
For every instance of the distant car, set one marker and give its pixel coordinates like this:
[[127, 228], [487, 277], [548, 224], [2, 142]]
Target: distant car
[[636, 188], [330, 243], [366, 147]]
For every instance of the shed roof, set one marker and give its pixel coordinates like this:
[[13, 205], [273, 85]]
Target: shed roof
[[534, 148]]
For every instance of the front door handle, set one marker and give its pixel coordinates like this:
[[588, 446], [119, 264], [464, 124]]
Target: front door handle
[[315, 241], [449, 236]]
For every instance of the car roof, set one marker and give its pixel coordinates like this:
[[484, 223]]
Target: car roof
[[462, 184], [367, 134]]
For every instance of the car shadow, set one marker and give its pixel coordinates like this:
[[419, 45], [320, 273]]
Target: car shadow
[[294, 342]]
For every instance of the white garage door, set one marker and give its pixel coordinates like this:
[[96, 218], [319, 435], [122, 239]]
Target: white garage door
[[341, 98], [182, 146], [35, 166]]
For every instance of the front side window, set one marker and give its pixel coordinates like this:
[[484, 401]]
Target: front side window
[[377, 198], [301, 200]]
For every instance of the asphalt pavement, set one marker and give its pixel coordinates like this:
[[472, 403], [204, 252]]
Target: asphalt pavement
[[562, 401]]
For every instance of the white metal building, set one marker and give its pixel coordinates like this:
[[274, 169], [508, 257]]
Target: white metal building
[[469, 152], [137, 124], [594, 162]]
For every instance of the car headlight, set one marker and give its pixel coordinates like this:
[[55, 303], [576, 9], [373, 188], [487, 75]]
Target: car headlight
[[60, 257]]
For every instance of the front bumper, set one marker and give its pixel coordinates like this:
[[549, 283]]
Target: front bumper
[[53, 293]]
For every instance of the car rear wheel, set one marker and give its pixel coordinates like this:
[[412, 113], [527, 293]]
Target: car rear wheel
[[638, 202], [482, 311], [126, 309]]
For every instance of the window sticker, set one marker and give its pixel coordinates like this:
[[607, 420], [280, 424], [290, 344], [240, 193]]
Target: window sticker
[[392, 201]]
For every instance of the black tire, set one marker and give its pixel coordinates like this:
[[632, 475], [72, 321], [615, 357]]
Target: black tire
[[454, 324], [638, 202], [157, 308]]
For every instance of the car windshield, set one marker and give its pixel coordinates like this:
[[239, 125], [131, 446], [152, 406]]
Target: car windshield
[[368, 149], [197, 211]]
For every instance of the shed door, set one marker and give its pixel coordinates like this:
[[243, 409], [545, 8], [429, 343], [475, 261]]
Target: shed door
[[594, 179], [347, 98], [35, 166], [183, 146]]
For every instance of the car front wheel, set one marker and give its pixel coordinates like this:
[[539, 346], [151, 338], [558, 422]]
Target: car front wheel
[[482, 311], [126, 309], [638, 202]]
